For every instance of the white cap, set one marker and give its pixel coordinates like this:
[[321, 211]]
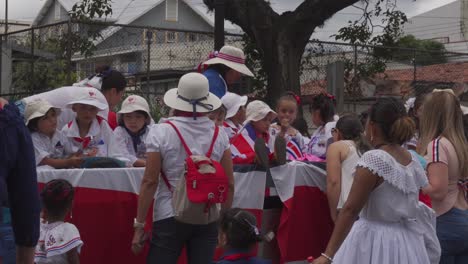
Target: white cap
[[37, 108], [134, 103], [257, 110], [192, 92], [232, 57], [89, 96], [233, 102]]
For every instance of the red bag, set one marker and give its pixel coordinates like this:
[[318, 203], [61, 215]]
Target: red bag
[[202, 187]]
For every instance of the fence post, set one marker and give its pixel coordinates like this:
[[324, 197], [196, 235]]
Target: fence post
[[335, 83], [414, 66], [149, 37], [219, 24], [69, 52], [33, 83]]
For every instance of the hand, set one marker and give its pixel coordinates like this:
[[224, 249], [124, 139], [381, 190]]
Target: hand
[[92, 152], [138, 241], [321, 260]]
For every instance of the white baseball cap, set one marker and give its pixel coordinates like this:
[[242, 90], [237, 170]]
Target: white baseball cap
[[232, 57], [233, 102], [89, 96], [38, 108], [134, 103], [257, 110], [192, 95]]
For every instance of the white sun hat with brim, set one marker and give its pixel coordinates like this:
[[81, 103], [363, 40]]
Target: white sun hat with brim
[[232, 57], [233, 102], [37, 108], [192, 95], [89, 96], [257, 110]]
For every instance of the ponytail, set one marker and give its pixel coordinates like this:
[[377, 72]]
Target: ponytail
[[402, 130], [362, 145]]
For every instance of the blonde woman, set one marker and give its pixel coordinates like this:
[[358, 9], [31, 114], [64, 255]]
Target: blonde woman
[[443, 143]]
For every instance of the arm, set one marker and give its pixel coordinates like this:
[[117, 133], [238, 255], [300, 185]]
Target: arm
[[73, 257], [25, 255], [333, 178], [72, 162], [139, 163], [148, 188], [437, 188], [226, 162], [364, 183]]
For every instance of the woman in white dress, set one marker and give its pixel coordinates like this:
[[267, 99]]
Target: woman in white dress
[[384, 194]]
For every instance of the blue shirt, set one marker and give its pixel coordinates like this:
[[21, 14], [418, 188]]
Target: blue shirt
[[18, 179], [240, 259], [217, 84]]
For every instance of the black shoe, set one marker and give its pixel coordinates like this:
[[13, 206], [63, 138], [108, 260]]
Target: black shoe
[[261, 153], [280, 151]]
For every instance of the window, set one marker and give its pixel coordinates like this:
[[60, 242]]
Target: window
[[171, 37], [191, 37], [172, 9], [58, 10]]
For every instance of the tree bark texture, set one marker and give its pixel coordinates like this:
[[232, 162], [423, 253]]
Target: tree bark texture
[[281, 39]]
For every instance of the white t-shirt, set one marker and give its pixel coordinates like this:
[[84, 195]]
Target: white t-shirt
[[60, 97], [162, 138], [45, 147], [55, 240], [320, 139], [99, 135], [294, 143], [121, 146]]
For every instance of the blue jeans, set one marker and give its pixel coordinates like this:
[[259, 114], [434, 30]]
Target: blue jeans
[[452, 231], [170, 236], [7, 244]]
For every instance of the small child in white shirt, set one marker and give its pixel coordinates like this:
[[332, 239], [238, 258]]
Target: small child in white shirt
[[235, 114], [129, 141], [41, 119], [88, 134], [59, 242]]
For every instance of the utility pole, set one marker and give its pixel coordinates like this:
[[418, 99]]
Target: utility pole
[[6, 18], [219, 25]]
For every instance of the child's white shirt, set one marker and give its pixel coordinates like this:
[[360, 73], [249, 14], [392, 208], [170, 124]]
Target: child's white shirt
[[46, 147], [320, 139], [230, 128], [121, 146], [55, 241], [99, 134]]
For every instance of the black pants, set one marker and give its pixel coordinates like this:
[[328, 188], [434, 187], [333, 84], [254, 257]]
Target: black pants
[[170, 236]]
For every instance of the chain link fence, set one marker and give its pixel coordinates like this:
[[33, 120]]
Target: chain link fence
[[153, 59]]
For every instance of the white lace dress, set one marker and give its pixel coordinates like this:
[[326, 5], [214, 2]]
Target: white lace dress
[[393, 227]]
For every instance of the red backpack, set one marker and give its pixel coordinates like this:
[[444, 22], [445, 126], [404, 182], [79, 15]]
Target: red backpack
[[202, 187]]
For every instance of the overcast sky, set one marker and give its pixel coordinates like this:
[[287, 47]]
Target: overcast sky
[[27, 10]]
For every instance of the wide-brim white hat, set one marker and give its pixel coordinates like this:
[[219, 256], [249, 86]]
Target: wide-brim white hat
[[192, 95], [233, 102], [37, 108], [257, 110], [134, 103], [89, 96], [233, 58]]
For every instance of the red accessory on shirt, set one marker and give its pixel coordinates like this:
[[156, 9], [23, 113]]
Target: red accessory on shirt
[[112, 120], [238, 256], [84, 141]]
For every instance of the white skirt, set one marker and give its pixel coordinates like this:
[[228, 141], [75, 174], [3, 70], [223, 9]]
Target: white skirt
[[372, 242]]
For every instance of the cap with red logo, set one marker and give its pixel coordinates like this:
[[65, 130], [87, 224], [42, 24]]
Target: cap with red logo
[[134, 103]]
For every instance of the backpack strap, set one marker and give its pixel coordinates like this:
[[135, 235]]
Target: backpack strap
[[166, 181], [215, 136], [187, 149]]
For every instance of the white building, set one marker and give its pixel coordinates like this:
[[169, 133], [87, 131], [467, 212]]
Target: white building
[[447, 24]]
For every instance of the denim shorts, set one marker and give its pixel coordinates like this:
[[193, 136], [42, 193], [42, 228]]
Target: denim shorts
[[171, 236], [452, 231], [7, 244]]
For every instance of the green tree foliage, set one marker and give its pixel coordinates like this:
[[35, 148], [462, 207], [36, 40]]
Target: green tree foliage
[[425, 52]]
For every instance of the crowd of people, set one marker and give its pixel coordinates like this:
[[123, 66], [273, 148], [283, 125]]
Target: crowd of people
[[396, 174]]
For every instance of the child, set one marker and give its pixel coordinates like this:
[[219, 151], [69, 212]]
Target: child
[[59, 242], [41, 119], [129, 138], [238, 235], [88, 134], [235, 116], [254, 134], [286, 108], [322, 111], [342, 157]]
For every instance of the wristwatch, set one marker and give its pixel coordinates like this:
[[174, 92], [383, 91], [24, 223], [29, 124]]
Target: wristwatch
[[137, 224]]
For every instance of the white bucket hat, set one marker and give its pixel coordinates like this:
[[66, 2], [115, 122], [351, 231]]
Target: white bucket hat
[[233, 102], [192, 95], [232, 57], [134, 103], [89, 96], [38, 108], [257, 110]]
